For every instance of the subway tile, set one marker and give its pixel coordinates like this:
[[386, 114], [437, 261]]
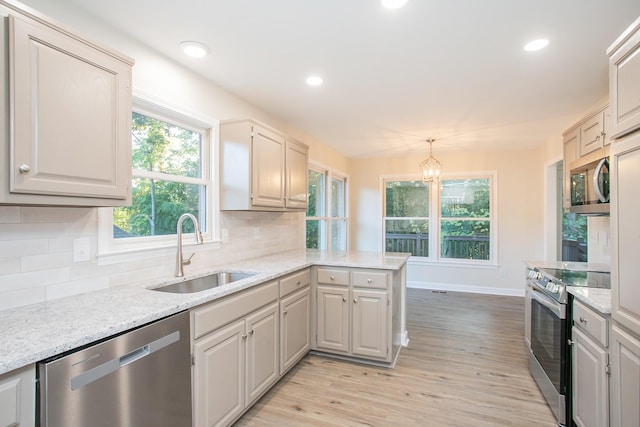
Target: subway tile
[[54, 214], [63, 244], [10, 282], [9, 214], [28, 231], [46, 262], [60, 290], [23, 247], [10, 264], [21, 297]]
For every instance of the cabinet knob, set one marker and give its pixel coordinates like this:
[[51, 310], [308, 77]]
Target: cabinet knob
[[355, 301], [244, 336], [344, 299], [284, 312], [251, 332], [369, 280], [298, 283], [333, 277], [24, 169], [583, 320]]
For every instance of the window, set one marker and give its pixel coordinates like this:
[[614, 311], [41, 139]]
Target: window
[[457, 214], [327, 219], [171, 171]]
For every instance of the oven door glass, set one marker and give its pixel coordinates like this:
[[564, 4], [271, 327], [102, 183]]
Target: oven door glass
[[547, 330]]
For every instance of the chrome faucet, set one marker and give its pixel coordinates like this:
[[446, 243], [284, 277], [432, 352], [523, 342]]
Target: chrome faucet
[[180, 263]]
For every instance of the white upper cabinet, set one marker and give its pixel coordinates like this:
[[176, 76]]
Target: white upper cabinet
[[68, 115], [624, 81], [261, 169]]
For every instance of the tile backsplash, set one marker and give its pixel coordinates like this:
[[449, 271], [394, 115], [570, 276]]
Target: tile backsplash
[[36, 251]]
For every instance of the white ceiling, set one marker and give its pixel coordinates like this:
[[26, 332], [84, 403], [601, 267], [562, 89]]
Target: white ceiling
[[453, 70]]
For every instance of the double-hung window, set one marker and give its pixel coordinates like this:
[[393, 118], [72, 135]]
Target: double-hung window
[[452, 221], [327, 218], [171, 175]]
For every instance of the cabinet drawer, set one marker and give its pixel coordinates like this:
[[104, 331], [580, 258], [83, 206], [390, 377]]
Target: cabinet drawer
[[591, 322], [333, 277], [295, 281], [219, 313], [367, 279]]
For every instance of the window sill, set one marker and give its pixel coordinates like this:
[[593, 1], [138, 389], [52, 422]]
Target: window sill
[[142, 253], [485, 265]]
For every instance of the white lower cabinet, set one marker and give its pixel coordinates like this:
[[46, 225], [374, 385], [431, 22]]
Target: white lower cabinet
[[18, 398], [590, 367], [295, 339], [353, 313], [234, 364], [590, 382], [625, 378]]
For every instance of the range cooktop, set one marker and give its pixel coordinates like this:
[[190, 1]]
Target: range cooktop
[[589, 279]]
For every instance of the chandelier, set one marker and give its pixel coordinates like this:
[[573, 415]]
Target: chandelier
[[430, 169]]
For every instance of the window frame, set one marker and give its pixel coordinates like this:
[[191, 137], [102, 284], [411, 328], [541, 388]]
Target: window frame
[[435, 218], [160, 110], [327, 217]]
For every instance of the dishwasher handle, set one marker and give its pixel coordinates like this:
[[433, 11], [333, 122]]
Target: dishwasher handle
[[113, 365]]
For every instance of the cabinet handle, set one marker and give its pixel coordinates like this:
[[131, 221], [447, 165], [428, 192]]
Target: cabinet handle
[[369, 281], [24, 169], [583, 320], [597, 137]]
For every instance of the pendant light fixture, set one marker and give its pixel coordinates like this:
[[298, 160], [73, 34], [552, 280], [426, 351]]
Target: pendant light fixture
[[430, 169]]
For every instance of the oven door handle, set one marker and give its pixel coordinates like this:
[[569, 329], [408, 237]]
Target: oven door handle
[[554, 306]]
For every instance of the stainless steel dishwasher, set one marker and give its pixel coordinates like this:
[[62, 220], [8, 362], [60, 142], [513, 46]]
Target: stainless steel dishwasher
[[136, 379]]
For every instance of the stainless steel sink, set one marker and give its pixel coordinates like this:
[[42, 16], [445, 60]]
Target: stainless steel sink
[[204, 283]]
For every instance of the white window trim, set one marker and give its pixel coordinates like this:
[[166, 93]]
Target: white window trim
[[112, 250], [329, 174], [434, 221]]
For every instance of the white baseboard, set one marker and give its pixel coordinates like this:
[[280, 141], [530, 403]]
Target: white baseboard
[[466, 288]]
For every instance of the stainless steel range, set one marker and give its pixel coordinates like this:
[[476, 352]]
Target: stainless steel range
[[548, 331]]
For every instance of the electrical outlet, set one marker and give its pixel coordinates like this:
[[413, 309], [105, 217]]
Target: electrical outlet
[[81, 249]]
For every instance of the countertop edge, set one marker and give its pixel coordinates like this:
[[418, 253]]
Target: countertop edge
[[134, 305]]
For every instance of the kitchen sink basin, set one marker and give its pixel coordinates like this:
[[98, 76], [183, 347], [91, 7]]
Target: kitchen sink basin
[[204, 283]]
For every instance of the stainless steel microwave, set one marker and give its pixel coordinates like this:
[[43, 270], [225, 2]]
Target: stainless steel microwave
[[590, 184]]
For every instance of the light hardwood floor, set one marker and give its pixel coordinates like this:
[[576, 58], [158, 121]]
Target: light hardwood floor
[[466, 365]]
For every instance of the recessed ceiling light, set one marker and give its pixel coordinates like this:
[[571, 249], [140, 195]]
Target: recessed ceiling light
[[393, 4], [536, 45], [194, 49], [314, 80]]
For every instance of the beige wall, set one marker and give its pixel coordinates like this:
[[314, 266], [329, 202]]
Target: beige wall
[[520, 221]]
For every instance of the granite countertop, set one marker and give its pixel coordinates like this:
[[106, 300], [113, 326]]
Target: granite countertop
[[597, 298], [571, 265], [36, 332]]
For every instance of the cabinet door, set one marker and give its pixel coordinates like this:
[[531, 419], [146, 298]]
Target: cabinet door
[[624, 84], [262, 351], [219, 376], [267, 181], [71, 117], [294, 329], [369, 331], [17, 398], [592, 134], [570, 154], [625, 228], [625, 378], [297, 176], [590, 382], [332, 325]]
